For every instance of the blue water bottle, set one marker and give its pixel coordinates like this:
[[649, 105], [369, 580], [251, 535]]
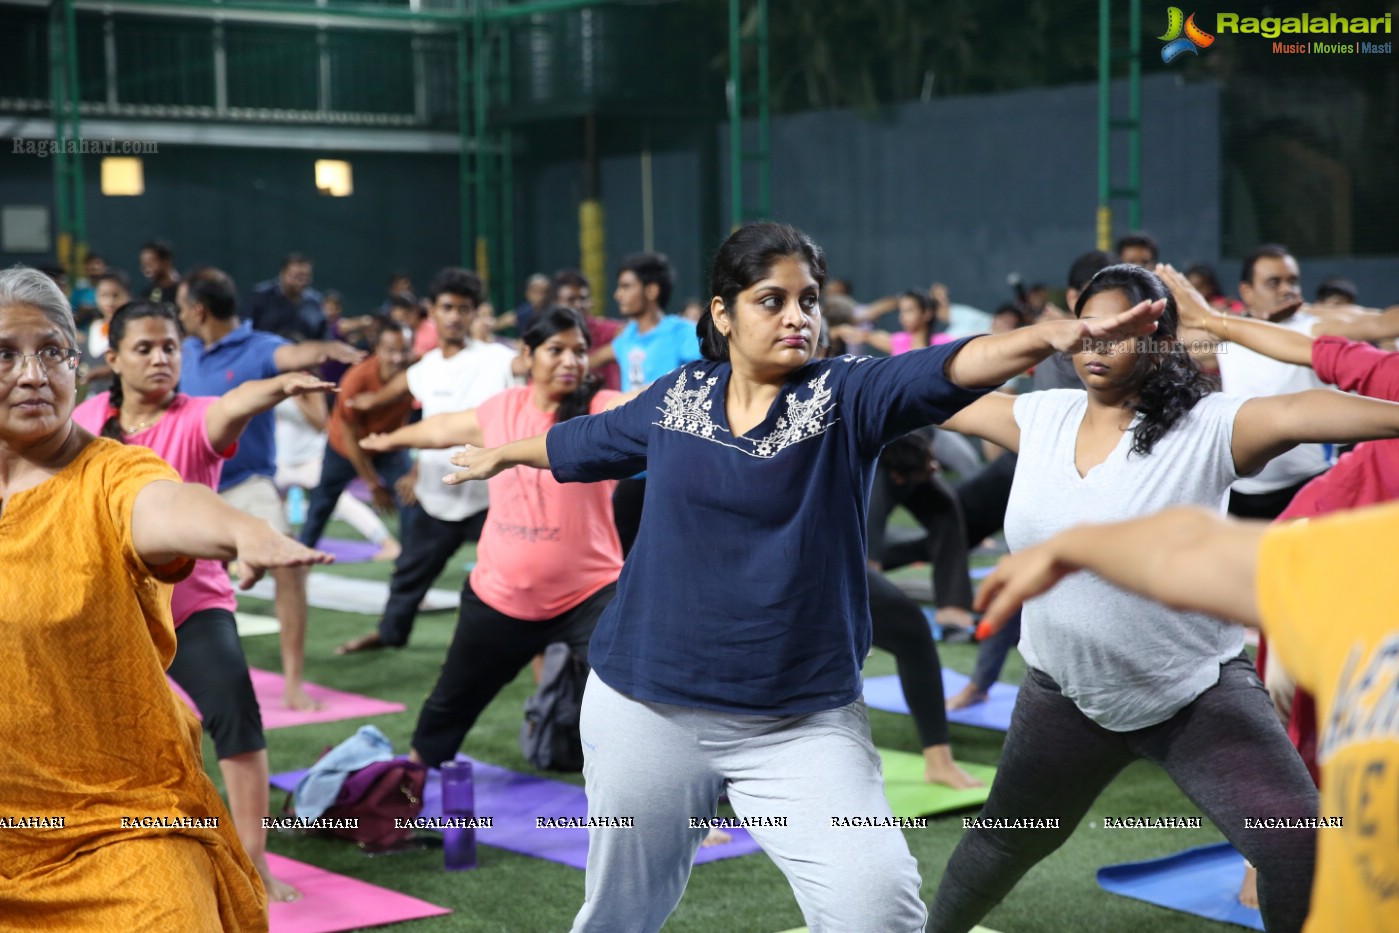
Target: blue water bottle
[[296, 506], [458, 803]]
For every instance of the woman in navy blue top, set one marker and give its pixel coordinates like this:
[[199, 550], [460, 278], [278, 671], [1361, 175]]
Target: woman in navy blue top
[[730, 659]]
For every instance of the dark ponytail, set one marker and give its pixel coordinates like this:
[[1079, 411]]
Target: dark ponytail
[[558, 320], [746, 256], [1171, 382], [116, 332]]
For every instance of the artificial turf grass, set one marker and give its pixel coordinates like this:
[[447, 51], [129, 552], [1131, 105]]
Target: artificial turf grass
[[511, 893]]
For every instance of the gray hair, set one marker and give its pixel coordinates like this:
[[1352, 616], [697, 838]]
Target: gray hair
[[21, 285]]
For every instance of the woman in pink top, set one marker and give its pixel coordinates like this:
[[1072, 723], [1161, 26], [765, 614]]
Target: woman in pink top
[[195, 436], [549, 556], [918, 312]]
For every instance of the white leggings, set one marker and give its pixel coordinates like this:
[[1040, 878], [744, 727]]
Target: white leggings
[[664, 765]]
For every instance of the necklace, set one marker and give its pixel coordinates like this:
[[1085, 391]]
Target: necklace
[[139, 426]]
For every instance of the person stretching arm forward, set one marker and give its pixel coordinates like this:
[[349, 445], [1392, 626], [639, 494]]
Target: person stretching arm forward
[[729, 660]]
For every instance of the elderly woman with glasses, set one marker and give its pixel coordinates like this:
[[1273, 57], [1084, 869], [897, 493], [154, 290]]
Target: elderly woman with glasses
[[112, 818]]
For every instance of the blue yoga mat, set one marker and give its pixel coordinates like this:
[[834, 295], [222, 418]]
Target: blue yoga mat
[[1203, 881], [513, 800], [886, 694]]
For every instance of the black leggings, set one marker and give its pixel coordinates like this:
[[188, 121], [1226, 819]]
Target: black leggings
[[488, 649], [901, 629], [210, 667], [1225, 750], [935, 506], [627, 500]]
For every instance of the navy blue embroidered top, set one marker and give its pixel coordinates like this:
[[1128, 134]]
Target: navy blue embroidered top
[[745, 591]]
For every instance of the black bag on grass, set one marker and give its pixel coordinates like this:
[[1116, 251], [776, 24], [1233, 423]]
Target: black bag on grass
[[549, 736]]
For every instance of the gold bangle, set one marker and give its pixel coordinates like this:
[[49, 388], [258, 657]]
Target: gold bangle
[[1226, 329]]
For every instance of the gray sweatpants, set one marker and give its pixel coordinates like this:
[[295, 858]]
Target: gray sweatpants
[[664, 766]]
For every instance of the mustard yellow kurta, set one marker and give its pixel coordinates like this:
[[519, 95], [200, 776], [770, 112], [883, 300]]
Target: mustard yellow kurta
[[91, 734]]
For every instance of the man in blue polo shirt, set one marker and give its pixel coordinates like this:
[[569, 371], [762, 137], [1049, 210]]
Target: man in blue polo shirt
[[220, 353], [652, 344]]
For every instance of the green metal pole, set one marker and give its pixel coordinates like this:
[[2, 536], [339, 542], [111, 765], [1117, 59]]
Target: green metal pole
[[764, 121], [1104, 105], [1134, 104], [507, 166], [736, 116], [485, 206], [464, 126], [58, 94], [372, 10], [73, 99]]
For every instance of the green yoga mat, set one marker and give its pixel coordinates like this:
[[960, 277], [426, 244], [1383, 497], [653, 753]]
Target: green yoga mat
[[910, 795]]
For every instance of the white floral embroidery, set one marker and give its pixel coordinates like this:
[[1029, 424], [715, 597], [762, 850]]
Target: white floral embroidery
[[803, 418], [688, 410]]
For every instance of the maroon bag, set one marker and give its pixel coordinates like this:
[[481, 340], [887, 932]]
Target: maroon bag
[[375, 796]]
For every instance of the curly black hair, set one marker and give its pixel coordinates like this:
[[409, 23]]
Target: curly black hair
[[1170, 382]]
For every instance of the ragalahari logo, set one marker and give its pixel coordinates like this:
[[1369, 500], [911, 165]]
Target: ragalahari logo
[[1177, 44]]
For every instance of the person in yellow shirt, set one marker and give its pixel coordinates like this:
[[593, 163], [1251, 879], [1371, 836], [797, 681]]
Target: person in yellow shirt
[[1322, 590], [107, 819]]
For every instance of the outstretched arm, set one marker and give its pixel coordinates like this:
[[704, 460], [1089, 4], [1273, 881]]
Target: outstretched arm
[[1269, 426], [855, 335], [1188, 558], [1361, 324], [991, 417], [1260, 336], [435, 433], [226, 418], [209, 528], [312, 353], [394, 390], [485, 462], [990, 361]]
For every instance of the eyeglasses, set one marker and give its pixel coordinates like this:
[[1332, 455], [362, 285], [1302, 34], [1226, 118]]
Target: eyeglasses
[[51, 360]]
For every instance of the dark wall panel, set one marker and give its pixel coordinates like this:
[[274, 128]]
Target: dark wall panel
[[243, 209]]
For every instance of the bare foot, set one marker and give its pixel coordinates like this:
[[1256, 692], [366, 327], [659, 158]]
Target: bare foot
[[716, 837], [955, 617], [970, 695], [939, 768], [389, 551], [370, 642], [294, 696], [1248, 891], [278, 892]]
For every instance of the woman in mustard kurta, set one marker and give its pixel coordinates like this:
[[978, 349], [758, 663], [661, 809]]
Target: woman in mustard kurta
[[107, 819]]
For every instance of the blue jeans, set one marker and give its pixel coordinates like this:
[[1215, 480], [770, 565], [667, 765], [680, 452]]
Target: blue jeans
[[337, 472]]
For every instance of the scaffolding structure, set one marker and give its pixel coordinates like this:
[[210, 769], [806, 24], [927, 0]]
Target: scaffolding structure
[[1129, 126], [381, 70]]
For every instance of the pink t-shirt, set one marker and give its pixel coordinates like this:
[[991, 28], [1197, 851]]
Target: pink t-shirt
[[181, 439], [547, 546], [902, 341]]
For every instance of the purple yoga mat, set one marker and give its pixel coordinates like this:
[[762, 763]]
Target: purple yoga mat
[[885, 693], [348, 552], [514, 801]]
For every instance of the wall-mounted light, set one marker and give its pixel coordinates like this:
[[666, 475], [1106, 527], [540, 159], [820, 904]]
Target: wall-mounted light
[[334, 178], [123, 177]]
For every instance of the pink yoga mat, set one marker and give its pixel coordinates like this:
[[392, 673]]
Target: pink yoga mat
[[338, 705], [331, 902], [514, 801]]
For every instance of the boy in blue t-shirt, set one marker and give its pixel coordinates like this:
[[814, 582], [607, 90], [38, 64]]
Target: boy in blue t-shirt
[[652, 344]]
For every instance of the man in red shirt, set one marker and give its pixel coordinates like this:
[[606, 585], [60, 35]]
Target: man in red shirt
[[344, 460]]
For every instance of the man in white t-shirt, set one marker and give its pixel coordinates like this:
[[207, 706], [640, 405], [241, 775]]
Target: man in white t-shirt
[[460, 373], [1270, 286]]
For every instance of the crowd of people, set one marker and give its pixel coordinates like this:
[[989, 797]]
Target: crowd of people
[[699, 506]]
